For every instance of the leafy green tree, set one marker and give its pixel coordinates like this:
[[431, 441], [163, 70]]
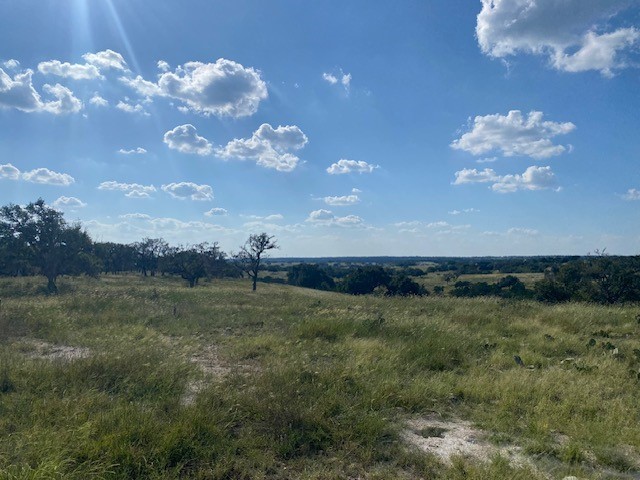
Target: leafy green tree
[[39, 236], [404, 286], [364, 280], [310, 275], [148, 254], [250, 256], [195, 262]]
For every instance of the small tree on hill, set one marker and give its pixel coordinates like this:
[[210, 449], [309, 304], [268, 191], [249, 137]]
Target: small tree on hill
[[252, 252]]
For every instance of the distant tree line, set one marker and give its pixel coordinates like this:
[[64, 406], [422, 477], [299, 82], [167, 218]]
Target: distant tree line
[[36, 240], [358, 281]]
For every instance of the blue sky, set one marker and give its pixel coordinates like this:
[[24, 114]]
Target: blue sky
[[493, 127]]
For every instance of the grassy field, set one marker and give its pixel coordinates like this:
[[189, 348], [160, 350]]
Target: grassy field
[[125, 377]]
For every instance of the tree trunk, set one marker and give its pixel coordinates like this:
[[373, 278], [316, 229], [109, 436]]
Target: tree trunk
[[255, 280], [51, 285]]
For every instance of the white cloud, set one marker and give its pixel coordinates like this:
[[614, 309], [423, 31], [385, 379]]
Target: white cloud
[[185, 139], [572, 34], [320, 216], [439, 224], [632, 193], [132, 190], [471, 175], [106, 59], [98, 101], [356, 190], [134, 151], [183, 190], [599, 52], [268, 147], [135, 216], [12, 64], [334, 78], [348, 166], [65, 101], [129, 108], [142, 86], [527, 232], [48, 177], [328, 77], [224, 88], [487, 160], [18, 92], [534, 178], [466, 210], [268, 218], [216, 212], [327, 218], [75, 71], [70, 203], [514, 135], [9, 171], [163, 66], [137, 194], [341, 200]]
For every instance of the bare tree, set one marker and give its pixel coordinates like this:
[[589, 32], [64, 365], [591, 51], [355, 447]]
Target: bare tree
[[252, 252]]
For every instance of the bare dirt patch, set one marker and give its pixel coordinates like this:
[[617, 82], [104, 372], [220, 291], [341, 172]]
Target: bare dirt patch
[[49, 351], [448, 438], [211, 366]]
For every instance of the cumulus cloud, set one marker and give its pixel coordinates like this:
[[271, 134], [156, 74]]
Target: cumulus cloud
[[131, 190], [74, 71], [137, 194], [632, 193], [224, 88], [133, 151], [45, 176], [350, 166], [185, 139], [65, 101], [129, 108], [534, 178], [327, 218], [9, 171], [341, 200], [142, 86], [471, 175], [12, 64], [98, 101], [18, 92], [183, 190], [163, 66], [106, 59], [216, 212], [70, 203], [268, 146], [514, 135], [572, 34]]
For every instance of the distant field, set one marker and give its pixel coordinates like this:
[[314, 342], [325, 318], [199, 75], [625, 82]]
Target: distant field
[[125, 377]]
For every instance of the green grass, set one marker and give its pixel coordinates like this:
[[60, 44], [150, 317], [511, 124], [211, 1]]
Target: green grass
[[317, 384]]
